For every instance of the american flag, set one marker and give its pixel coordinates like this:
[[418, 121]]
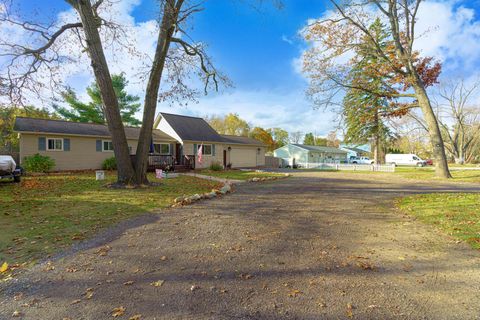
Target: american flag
[[199, 153]]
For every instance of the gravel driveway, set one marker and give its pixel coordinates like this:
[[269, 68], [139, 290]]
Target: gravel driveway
[[314, 246]]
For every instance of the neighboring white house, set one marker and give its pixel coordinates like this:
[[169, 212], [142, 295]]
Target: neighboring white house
[[300, 154]]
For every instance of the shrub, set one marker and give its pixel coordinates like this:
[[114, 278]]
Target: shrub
[[215, 166], [109, 164], [38, 163]]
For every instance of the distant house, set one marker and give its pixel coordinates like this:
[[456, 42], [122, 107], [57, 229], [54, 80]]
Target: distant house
[[175, 141], [359, 151], [300, 154]]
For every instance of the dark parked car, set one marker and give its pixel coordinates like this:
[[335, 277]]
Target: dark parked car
[[9, 169]]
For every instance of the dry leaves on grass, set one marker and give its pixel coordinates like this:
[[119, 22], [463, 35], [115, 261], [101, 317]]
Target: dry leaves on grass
[[118, 312], [135, 317], [4, 267], [128, 283]]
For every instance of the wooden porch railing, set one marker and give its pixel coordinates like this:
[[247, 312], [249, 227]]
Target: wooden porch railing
[[168, 162]]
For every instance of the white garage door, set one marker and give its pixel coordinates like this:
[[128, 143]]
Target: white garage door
[[243, 157]]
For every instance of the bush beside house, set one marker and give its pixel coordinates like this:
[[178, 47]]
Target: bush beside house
[[38, 163]]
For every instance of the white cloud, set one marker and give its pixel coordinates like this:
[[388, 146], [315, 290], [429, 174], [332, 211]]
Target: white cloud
[[449, 33]]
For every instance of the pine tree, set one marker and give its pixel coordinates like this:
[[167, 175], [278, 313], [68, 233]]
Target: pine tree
[[93, 111], [364, 110]]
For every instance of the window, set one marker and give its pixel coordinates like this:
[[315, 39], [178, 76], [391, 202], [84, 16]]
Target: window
[[107, 145], [207, 149], [54, 144], [161, 148]]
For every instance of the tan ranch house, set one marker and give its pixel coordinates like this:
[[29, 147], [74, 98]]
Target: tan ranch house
[[175, 141]]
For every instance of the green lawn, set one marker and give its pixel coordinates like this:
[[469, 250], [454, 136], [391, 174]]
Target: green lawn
[[43, 214], [456, 214], [428, 173], [239, 174]]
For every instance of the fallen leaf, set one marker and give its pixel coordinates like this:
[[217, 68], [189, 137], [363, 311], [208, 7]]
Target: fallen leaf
[[128, 283], [194, 287], [294, 293], [349, 310], [163, 258], [4, 267], [158, 283], [16, 313], [76, 301], [88, 293], [118, 312], [135, 317]]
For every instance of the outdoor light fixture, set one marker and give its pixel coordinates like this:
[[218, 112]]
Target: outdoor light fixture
[[229, 148]]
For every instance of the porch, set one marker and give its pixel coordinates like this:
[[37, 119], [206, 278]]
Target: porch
[[169, 162]]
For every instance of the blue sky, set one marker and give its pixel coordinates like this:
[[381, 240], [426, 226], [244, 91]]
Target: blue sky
[[258, 51]]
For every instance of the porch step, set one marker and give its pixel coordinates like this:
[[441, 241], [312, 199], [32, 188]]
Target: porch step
[[181, 168]]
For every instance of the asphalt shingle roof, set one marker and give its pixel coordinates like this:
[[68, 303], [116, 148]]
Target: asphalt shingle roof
[[320, 148], [241, 140], [76, 128], [197, 129], [191, 128]]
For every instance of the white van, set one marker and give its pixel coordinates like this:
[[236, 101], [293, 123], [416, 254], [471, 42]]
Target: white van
[[405, 159]]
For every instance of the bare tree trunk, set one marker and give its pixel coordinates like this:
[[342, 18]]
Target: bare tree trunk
[[441, 165], [167, 28], [376, 140], [109, 99]]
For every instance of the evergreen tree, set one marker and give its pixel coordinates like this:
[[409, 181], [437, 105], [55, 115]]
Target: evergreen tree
[[93, 110], [364, 110]]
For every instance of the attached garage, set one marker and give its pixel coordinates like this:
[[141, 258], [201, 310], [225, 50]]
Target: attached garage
[[243, 157]]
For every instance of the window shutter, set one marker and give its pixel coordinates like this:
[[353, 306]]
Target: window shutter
[[194, 149], [66, 144], [213, 150], [42, 143], [99, 145], [172, 150]]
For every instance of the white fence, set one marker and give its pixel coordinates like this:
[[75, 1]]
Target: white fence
[[348, 167]]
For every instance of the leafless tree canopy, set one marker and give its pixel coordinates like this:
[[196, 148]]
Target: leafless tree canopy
[[32, 66]]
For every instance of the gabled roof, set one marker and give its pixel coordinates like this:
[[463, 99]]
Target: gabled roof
[[46, 126], [319, 148], [191, 128], [197, 129], [241, 140]]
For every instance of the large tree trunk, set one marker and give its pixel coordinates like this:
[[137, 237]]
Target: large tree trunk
[[109, 99], [441, 165], [167, 28]]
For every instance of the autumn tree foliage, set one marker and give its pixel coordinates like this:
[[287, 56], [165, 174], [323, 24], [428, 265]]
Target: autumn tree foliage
[[336, 40], [230, 124], [264, 136]]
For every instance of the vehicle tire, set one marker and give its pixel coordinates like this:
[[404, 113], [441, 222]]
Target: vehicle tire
[[420, 165], [354, 162], [16, 179]]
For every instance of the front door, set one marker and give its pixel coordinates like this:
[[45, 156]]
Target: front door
[[225, 158], [178, 153]]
